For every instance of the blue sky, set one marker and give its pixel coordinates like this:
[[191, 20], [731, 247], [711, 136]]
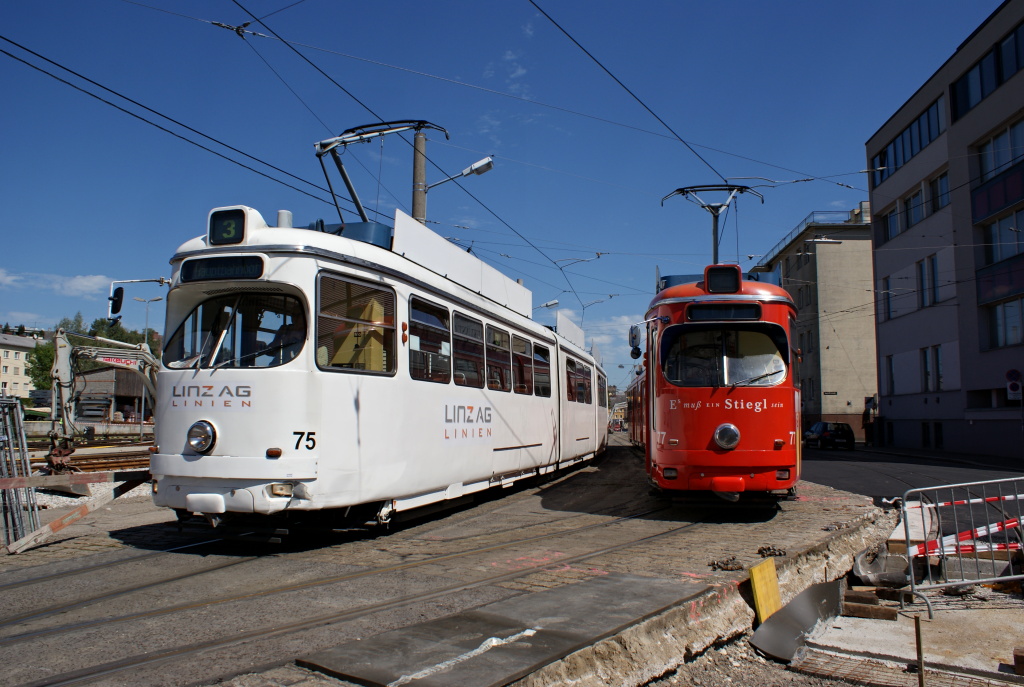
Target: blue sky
[[783, 90]]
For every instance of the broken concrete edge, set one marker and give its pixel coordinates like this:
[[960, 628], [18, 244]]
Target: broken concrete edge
[[665, 641]]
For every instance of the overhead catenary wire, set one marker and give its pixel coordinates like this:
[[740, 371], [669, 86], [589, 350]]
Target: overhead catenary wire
[[626, 88], [827, 178], [381, 119]]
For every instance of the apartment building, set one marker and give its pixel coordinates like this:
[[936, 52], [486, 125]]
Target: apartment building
[[14, 379], [825, 264], [947, 191]]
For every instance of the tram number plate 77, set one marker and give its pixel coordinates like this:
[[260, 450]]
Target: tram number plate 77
[[309, 438]]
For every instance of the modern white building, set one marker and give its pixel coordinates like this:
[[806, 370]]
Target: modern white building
[[947, 193]]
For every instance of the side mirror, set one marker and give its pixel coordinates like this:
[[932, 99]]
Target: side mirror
[[116, 300], [634, 337], [635, 353]]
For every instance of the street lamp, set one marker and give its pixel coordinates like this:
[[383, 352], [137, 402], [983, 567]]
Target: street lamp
[[549, 304], [147, 301], [600, 300], [477, 168]]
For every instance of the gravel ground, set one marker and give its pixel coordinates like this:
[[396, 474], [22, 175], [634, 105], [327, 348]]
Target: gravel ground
[[738, 664]]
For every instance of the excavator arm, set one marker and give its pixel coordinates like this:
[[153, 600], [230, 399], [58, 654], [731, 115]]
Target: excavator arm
[[64, 403]]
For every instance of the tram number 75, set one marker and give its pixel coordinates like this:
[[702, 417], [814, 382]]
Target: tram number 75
[[309, 438]]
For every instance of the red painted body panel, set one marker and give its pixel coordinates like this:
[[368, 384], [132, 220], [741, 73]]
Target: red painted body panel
[[675, 424]]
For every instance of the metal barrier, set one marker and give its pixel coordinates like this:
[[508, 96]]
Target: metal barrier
[[968, 533], [21, 514]]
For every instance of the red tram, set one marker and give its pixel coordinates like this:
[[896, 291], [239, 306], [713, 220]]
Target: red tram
[[716, 404]]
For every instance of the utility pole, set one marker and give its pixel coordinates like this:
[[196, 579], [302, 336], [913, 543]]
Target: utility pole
[[715, 209], [419, 176]]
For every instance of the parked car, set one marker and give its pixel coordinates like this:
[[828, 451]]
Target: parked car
[[830, 435], [615, 426]]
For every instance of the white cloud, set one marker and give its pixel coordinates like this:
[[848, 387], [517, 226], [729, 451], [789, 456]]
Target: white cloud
[[8, 279], [528, 30], [87, 286]]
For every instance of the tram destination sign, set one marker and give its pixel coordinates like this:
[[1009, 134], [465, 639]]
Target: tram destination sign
[[229, 267]]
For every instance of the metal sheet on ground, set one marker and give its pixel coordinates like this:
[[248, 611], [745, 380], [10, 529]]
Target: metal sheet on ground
[[506, 640]]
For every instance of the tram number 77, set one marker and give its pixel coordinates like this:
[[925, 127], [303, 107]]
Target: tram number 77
[[308, 436]]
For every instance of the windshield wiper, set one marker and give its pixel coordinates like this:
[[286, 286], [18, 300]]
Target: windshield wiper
[[255, 354], [757, 378]]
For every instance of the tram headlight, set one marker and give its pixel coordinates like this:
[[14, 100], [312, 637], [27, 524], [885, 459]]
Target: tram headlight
[[201, 436], [727, 436]]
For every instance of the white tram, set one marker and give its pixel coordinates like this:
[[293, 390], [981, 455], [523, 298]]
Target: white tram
[[306, 370]]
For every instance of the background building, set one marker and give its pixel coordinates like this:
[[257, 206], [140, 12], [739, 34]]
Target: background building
[[14, 380], [825, 264], [948, 195]]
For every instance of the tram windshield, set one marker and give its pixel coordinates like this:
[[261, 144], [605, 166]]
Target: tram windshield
[[239, 330], [715, 356]]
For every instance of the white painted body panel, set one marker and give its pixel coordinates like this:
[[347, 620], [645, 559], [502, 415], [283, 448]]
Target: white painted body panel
[[378, 437]]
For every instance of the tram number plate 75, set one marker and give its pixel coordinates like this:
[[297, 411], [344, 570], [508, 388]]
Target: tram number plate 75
[[309, 438]]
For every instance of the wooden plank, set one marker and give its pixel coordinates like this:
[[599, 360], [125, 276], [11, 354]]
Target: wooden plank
[[861, 597], [765, 584], [72, 478], [77, 514], [868, 611]]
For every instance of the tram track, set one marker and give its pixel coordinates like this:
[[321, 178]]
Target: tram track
[[347, 577], [96, 672], [53, 577]]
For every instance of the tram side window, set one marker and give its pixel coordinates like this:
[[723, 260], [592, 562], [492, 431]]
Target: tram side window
[[499, 360], [570, 379], [541, 371], [355, 326], [430, 342], [468, 350], [583, 383], [602, 391], [522, 366]]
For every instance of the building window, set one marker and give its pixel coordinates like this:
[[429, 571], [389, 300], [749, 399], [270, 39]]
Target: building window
[[1001, 152], [17, 371], [17, 355], [891, 221], [939, 192], [912, 140], [1006, 323], [927, 282], [1003, 237], [937, 367], [6, 369], [926, 370], [890, 376], [913, 207], [990, 72]]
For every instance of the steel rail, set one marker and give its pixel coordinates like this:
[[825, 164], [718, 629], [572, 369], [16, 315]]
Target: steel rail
[[309, 584], [100, 671]]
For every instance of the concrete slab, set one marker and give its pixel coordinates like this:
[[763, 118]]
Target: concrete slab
[[504, 641], [973, 636]]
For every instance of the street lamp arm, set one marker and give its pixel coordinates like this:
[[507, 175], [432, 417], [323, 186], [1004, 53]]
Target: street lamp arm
[[478, 167]]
